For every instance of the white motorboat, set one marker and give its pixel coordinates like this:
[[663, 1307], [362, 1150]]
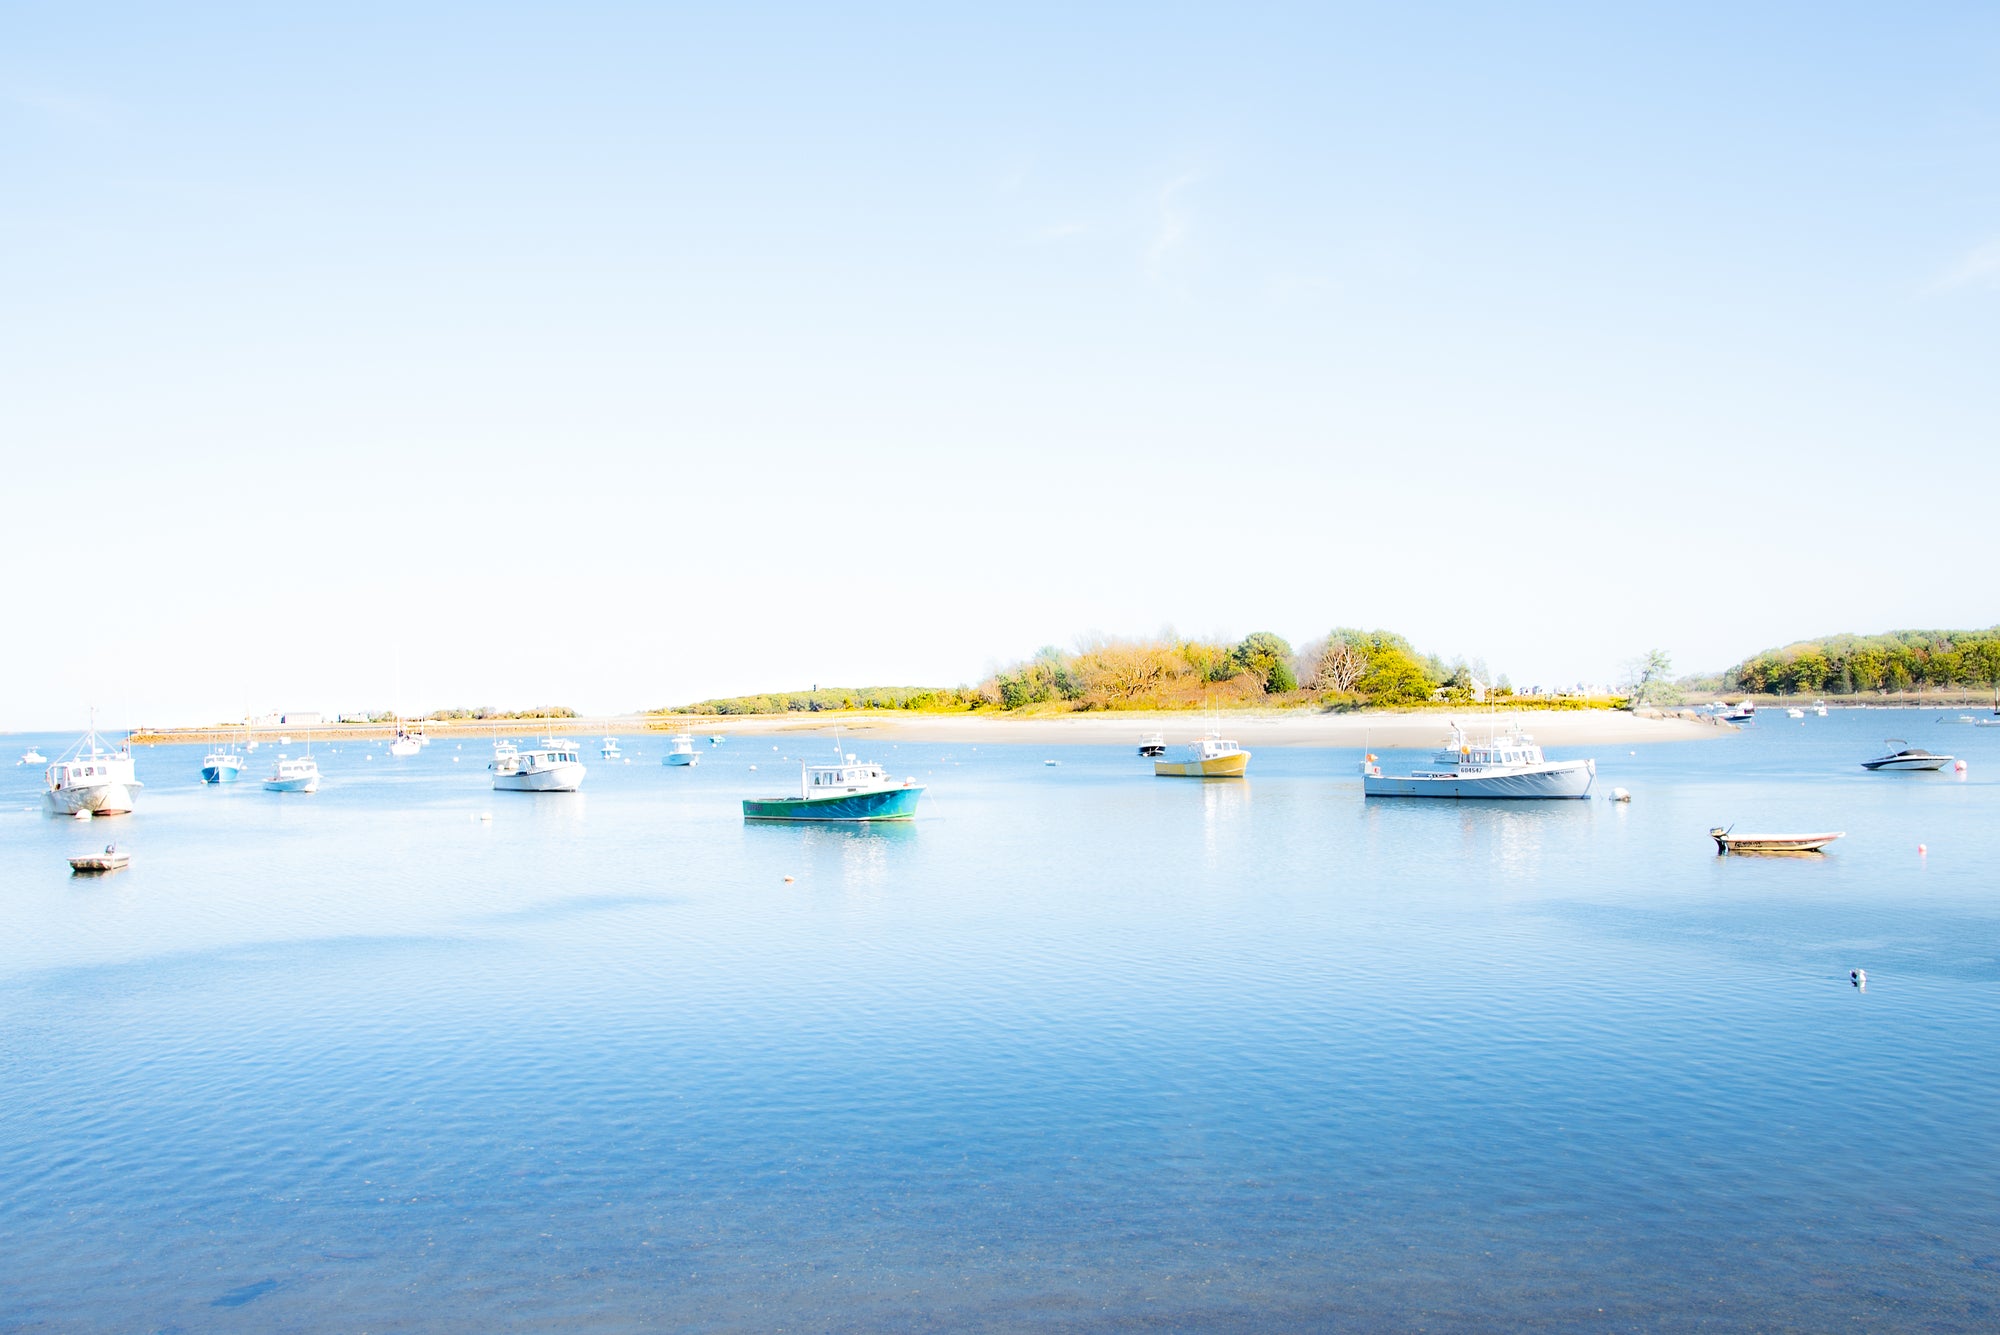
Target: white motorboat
[[680, 751], [1153, 745], [610, 749], [1902, 756], [1740, 713], [293, 776], [1795, 712], [1507, 766], [552, 767], [89, 777], [33, 757]]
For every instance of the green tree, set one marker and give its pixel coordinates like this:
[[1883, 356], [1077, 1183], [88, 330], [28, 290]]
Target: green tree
[[1269, 657]]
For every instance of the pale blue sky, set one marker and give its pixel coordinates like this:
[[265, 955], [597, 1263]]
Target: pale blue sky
[[617, 356]]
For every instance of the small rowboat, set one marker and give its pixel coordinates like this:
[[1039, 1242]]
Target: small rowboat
[[111, 859], [1725, 842]]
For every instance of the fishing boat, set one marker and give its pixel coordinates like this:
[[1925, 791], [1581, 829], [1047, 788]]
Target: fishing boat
[[1726, 842], [680, 751], [1153, 744], [113, 858], [552, 767], [221, 765], [33, 757], [1902, 756], [1210, 757], [848, 791], [609, 750], [290, 775], [1509, 765], [90, 777]]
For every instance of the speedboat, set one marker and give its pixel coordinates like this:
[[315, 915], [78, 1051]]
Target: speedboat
[[1153, 745], [1726, 842], [1508, 766], [610, 749], [293, 776], [552, 767], [88, 777], [680, 751], [33, 757], [848, 791], [1901, 755], [221, 765], [1211, 757], [1742, 713]]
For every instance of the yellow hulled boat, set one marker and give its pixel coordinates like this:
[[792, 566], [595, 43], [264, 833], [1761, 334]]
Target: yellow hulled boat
[[1212, 757]]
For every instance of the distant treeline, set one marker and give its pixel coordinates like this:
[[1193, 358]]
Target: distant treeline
[[1899, 660], [1345, 668]]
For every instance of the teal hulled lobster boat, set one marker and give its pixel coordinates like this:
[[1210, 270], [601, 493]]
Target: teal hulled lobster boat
[[847, 791]]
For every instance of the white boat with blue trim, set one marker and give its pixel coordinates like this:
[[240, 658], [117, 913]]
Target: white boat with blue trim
[[553, 767], [680, 751], [1508, 766], [849, 791]]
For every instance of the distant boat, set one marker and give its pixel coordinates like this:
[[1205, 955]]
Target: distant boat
[[1795, 712], [1153, 744], [33, 757], [680, 751], [1725, 842], [848, 791], [1819, 708], [1510, 765], [1906, 758], [1742, 713], [609, 750], [406, 743], [552, 767], [715, 739], [112, 858], [88, 777], [1210, 757], [293, 776]]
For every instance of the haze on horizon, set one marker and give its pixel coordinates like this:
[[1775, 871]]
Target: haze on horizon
[[619, 356]]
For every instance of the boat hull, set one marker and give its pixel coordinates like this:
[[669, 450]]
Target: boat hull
[[1919, 763], [220, 773], [883, 804], [309, 784], [102, 799], [1571, 779], [1772, 843], [682, 758], [552, 779], [1220, 767]]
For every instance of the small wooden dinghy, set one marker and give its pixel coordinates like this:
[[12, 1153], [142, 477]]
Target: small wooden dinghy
[[1726, 842], [111, 859]]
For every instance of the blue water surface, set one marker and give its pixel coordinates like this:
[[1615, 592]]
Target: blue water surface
[[1078, 1048]]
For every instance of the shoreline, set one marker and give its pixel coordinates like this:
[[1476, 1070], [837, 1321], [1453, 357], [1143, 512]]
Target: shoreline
[[1387, 728]]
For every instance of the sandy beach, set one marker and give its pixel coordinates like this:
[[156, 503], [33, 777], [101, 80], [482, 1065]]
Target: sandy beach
[[1377, 728]]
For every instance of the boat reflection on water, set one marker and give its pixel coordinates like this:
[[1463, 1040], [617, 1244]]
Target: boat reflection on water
[[850, 854], [1513, 838]]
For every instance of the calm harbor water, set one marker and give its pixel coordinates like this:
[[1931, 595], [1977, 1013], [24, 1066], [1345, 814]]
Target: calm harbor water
[[1077, 1048]]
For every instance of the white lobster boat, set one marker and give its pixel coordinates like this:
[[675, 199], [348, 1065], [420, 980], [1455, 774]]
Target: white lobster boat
[[680, 751], [293, 776], [552, 767], [90, 778], [1507, 766]]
